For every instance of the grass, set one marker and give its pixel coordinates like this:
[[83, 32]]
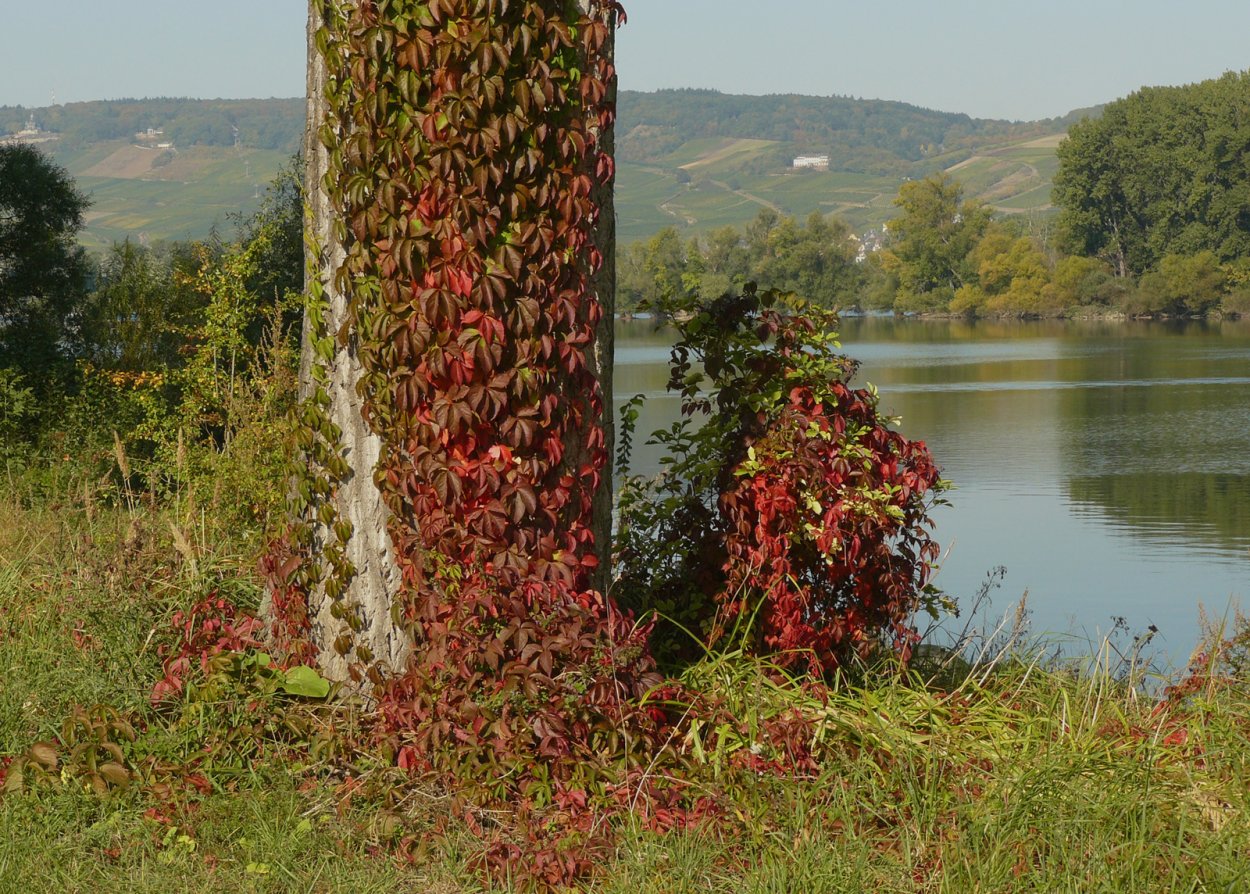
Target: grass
[[260, 840], [641, 194], [1024, 775]]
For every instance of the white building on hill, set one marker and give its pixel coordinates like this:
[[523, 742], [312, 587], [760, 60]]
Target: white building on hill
[[820, 162], [29, 134]]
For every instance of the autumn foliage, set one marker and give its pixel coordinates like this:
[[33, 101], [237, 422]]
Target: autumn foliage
[[466, 166], [792, 515]]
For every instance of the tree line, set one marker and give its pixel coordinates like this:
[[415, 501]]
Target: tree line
[[814, 259], [260, 123], [1154, 218], [165, 352]]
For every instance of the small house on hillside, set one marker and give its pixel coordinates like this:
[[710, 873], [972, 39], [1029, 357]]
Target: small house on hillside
[[818, 162]]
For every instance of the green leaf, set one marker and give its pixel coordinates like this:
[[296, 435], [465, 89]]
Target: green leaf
[[303, 680]]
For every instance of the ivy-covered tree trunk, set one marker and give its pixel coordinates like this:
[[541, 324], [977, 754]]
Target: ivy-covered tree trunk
[[376, 576], [405, 253]]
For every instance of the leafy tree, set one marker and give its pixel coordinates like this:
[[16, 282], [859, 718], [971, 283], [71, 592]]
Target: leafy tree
[[931, 242], [1011, 275], [43, 272], [759, 236], [1182, 284], [816, 260], [724, 254], [150, 305], [278, 226], [653, 270], [1194, 282], [667, 265], [1163, 171], [632, 281], [1078, 280], [17, 407], [135, 319], [881, 282]]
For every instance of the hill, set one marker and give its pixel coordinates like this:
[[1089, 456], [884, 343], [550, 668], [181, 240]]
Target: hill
[[697, 159], [163, 169]]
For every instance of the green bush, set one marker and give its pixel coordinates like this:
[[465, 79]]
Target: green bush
[[788, 511]]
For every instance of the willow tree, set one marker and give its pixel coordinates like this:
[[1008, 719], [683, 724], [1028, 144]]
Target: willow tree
[[457, 343]]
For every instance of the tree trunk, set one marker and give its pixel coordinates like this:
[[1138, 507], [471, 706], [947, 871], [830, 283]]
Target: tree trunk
[[604, 285], [370, 550]]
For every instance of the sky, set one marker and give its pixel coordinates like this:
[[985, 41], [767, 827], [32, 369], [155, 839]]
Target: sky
[[988, 58]]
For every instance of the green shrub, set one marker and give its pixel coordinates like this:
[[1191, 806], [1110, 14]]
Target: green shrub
[[790, 511]]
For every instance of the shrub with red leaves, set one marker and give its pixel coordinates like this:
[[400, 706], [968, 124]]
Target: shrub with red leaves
[[211, 627], [793, 518]]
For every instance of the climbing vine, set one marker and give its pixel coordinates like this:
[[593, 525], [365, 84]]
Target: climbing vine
[[464, 161], [313, 552]]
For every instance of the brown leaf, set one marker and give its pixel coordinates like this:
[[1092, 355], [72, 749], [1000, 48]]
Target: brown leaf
[[44, 754], [115, 774]]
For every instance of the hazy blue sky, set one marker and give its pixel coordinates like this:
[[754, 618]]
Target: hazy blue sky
[[989, 58]]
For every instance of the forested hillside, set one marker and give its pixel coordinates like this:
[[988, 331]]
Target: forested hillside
[[276, 124], [863, 136], [159, 170], [700, 160], [694, 159]]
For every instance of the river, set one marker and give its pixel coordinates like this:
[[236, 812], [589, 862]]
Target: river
[[1105, 465]]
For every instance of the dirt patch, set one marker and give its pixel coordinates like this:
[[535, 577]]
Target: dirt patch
[[142, 163], [1023, 179], [127, 163], [732, 147], [1050, 142], [965, 163], [188, 165]]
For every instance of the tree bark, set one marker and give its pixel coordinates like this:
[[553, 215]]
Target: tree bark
[[370, 549], [377, 579], [604, 285]]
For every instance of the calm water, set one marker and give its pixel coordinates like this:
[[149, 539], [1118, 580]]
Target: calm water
[[1106, 465]]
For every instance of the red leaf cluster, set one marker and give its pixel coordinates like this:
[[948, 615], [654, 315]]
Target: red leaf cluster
[[212, 626], [825, 533], [793, 521]]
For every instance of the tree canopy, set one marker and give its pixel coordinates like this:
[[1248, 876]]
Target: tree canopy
[[815, 260], [1163, 171], [931, 241], [43, 271]]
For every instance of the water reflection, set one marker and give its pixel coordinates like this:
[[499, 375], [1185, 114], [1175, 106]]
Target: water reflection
[[1210, 510], [1106, 464]]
